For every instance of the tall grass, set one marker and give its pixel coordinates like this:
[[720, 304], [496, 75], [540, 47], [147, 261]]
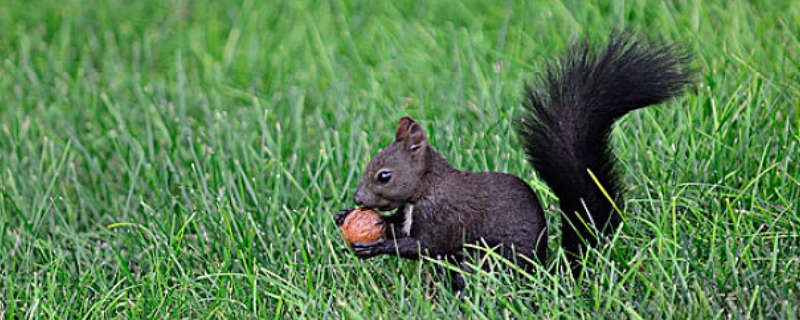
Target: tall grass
[[184, 159]]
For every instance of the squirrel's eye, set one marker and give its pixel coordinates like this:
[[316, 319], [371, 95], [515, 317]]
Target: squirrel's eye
[[384, 177]]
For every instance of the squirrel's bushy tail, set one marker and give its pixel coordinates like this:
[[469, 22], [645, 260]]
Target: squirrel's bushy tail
[[568, 115]]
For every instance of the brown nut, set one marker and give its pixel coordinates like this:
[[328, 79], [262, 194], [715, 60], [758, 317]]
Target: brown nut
[[363, 225]]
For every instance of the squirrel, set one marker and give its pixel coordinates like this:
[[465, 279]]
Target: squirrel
[[566, 121]]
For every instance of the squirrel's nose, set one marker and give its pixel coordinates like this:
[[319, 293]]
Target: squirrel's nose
[[358, 198]]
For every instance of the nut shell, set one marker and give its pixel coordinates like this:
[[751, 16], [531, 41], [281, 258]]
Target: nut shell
[[363, 225]]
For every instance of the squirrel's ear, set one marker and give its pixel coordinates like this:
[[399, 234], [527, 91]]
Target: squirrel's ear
[[402, 128], [411, 134], [416, 137]]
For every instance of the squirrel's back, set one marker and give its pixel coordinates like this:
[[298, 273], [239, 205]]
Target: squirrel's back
[[568, 116]]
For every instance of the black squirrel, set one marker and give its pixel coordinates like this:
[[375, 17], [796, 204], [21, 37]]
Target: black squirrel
[[565, 125]]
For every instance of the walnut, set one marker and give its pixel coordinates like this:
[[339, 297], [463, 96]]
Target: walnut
[[363, 225]]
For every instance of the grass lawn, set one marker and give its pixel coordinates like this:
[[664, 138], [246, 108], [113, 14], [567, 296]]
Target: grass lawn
[[184, 159]]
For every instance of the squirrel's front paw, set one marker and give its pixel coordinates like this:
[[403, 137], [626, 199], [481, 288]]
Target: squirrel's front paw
[[341, 215], [366, 250]]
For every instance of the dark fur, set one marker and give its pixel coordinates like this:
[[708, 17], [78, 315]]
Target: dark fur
[[565, 127], [568, 117]]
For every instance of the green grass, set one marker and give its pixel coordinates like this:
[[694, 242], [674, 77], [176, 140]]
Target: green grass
[[184, 159]]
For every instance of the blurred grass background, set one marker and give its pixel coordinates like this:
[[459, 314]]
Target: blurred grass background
[[184, 159]]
